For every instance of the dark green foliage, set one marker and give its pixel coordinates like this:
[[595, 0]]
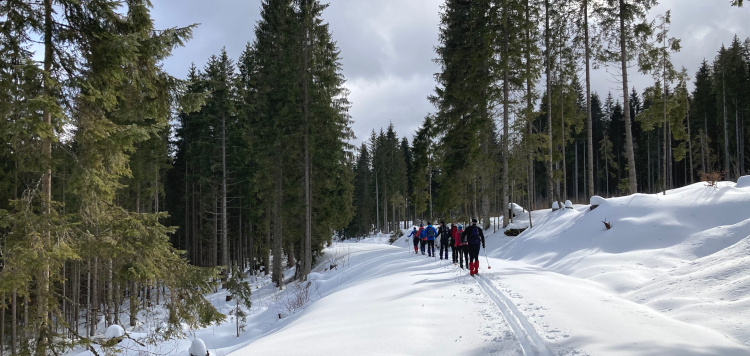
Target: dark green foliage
[[241, 292], [102, 76], [283, 120]]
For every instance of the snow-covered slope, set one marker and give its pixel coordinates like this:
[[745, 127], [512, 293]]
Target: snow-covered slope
[[684, 254], [671, 277]]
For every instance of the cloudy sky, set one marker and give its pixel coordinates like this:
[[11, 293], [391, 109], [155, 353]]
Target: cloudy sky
[[387, 47]]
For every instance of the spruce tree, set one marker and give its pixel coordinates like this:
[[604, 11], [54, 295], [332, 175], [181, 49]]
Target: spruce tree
[[624, 23], [463, 99], [657, 61]]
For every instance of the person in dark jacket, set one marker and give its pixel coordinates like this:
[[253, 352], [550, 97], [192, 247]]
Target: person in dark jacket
[[419, 239], [415, 233], [475, 238], [445, 235]]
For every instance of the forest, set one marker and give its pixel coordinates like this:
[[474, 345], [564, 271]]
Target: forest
[[123, 188]]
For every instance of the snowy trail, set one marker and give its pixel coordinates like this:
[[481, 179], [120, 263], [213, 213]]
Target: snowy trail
[[530, 341]]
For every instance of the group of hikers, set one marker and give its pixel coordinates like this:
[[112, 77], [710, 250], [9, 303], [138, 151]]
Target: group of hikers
[[464, 244]]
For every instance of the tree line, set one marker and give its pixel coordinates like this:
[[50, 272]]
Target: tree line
[[516, 119], [122, 187], [263, 169]]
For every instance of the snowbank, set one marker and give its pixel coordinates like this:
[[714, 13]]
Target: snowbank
[[683, 253], [198, 348], [114, 331]]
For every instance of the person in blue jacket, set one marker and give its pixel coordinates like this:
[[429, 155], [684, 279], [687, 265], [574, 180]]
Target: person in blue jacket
[[415, 233], [422, 238], [430, 234]]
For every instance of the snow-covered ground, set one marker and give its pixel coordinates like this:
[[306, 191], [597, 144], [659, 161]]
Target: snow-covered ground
[[671, 277]]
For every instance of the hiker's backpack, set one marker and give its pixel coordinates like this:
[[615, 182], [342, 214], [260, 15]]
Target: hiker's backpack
[[474, 236], [430, 231]]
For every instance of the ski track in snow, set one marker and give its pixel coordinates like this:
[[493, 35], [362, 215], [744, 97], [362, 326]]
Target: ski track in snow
[[531, 343]]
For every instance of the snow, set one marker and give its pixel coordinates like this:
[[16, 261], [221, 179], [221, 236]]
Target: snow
[[671, 277], [114, 331], [597, 200], [743, 182], [197, 348]]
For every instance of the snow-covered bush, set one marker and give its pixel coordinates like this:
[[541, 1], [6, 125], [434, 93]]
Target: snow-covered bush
[[298, 295], [568, 204], [743, 182], [198, 348], [114, 331], [555, 206], [596, 201]]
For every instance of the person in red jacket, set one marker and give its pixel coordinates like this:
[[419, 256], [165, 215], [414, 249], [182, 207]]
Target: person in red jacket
[[463, 247], [455, 242], [418, 239]]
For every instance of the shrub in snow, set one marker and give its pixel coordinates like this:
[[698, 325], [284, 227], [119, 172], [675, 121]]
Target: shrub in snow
[[515, 231], [743, 182], [239, 289], [711, 178], [198, 348], [568, 204], [114, 331], [555, 206]]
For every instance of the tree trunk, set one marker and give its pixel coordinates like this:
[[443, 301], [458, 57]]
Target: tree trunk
[[691, 174], [726, 126], [633, 184], [133, 303], [95, 297], [224, 218], [529, 107], [648, 163], [506, 120], [118, 302], [576, 172], [548, 70], [14, 322], [43, 287], [385, 210], [589, 118], [377, 204], [267, 242], [76, 297], [88, 300], [564, 191], [110, 295], [215, 228], [197, 260], [737, 133], [277, 277], [2, 324], [666, 139]]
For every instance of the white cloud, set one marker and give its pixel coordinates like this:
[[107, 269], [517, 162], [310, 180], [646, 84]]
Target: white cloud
[[387, 48]]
